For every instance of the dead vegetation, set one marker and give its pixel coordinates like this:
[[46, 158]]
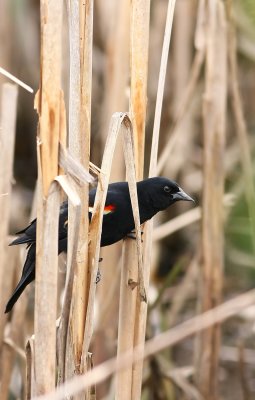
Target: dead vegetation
[[150, 88]]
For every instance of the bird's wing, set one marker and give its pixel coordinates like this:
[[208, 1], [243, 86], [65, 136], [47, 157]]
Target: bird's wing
[[114, 197], [28, 235], [28, 275]]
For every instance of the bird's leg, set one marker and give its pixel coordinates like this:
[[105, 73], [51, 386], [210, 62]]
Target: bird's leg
[[98, 277]]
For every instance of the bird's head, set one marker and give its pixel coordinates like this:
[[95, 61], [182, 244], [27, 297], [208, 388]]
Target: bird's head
[[163, 192]]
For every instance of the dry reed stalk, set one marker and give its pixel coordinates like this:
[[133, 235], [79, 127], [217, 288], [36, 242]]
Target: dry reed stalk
[[30, 369], [7, 143], [8, 352], [16, 326], [140, 24], [78, 309], [49, 106], [169, 338], [214, 111], [16, 80], [156, 126], [115, 98], [187, 218], [127, 313], [120, 124], [7, 140], [139, 47], [182, 109], [130, 275], [182, 54], [186, 99], [86, 47], [65, 357], [80, 37], [78, 174], [30, 358], [18, 350], [242, 132], [141, 307], [5, 34], [46, 291], [161, 85], [117, 69], [177, 223], [73, 168]]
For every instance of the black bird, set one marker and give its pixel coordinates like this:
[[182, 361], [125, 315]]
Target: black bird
[[154, 195]]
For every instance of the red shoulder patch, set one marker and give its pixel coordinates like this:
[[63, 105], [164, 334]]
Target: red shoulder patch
[[109, 208]]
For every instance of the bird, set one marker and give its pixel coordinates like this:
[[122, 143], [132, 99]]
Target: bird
[[154, 195]]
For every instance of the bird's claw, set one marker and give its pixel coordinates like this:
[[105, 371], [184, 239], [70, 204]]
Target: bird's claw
[[98, 277]]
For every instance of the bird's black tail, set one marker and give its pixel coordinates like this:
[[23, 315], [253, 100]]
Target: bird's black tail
[[28, 275]]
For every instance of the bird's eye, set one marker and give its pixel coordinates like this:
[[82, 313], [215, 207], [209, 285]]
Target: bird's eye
[[167, 189]]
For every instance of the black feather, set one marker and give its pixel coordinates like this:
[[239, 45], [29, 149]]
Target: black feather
[[28, 275], [154, 195]]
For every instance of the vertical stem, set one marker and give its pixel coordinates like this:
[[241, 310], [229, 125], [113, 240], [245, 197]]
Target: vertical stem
[[30, 378], [214, 111], [49, 109], [116, 78], [130, 299], [81, 29], [161, 85], [46, 292], [5, 33], [141, 312], [76, 318], [86, 47], [7, 138], [15, 327], [139, 46]]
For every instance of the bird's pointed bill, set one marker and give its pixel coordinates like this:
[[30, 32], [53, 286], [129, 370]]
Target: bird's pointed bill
[[181, 195]]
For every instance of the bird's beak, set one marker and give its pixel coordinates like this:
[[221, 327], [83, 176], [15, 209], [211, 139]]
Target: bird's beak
[[181, 195]]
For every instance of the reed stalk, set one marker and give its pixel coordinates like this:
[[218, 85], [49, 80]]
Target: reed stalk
[[8, 353], [7, 140], [129, 295], [115, 98], [86, 46], [141, 307], [80, 38], [214, 111], [49, 110], [118, 126], [160, 342]]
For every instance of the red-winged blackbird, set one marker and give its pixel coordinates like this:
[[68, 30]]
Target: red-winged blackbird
[[154, 195]]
